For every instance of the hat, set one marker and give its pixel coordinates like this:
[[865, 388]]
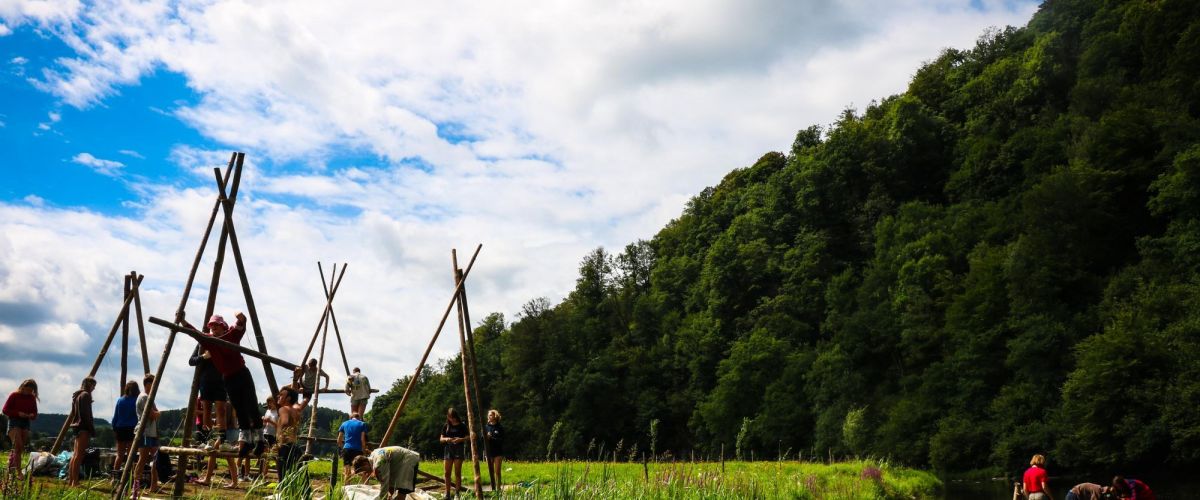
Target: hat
[[216, 319]]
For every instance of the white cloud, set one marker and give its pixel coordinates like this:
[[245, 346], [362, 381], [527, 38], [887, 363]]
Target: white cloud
[[34, 200], [18, 60], [574, 125], [54, 116], [110, 168], [132, 153]]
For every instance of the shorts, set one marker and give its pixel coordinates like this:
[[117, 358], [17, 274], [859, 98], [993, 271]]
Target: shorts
[[349, 454], [212, 390], [124, 434], [308, 393], [1037, 496], [149, 442], [457, 451], [1072, 496], [270, 439], [18, 423], [359, 402]]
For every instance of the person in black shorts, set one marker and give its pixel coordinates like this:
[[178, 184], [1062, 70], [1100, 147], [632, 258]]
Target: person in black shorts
[[494, 433], [454, 438], [125, 419], [212, 393]]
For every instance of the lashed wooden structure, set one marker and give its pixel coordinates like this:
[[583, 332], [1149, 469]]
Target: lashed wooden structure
[[133, 282]]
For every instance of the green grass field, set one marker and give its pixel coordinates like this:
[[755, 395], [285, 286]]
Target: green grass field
[[586, 480]]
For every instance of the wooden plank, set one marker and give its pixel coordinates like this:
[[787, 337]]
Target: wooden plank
[[139, 432], [466, 376], [205, 339]]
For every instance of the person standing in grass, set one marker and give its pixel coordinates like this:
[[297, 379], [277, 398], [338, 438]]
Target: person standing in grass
[[148, 448], [494, 433], [352, 440], [290, 415], [270, 419], [454, 436], [84, 426], [125, 418], [1036, 481], [21, 410]]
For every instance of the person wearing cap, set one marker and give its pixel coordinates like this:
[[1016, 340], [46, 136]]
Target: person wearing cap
[[358, 387], [239, 385]]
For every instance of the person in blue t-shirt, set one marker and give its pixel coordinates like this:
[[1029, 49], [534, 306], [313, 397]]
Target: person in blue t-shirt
[[125, 419], [352, 439]]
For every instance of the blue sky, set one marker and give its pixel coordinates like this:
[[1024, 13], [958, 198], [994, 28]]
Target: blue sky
[[383, 136]]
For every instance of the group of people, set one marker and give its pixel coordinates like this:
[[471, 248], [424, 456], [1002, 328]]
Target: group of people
[[1034, 485], [395, 467]]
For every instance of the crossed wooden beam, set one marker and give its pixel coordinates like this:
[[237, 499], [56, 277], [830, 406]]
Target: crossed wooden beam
[[229, 181]]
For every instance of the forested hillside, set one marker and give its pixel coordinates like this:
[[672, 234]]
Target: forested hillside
[[1002, 260]]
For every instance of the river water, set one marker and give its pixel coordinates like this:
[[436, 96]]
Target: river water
[[1171, 488]]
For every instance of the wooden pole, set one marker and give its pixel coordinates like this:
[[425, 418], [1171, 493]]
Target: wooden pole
[[324, 314], [112, 332], [140, 431], [466, 371], [141, 329], [241, 269], [487, 448], [190, 415], [125, 335], [312, 421], [421, 365], [205, 339], [337, 332]]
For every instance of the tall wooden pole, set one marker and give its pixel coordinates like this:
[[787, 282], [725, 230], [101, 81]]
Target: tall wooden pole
[[324, 314], [140, 431], [337, 332], [125, 336], [141, 329], [466, 370], [487, 448], [412, 382], [112, 333], [190, 415], [251, 311], [312, 420]]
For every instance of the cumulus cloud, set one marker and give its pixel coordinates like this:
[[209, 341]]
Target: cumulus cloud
[[540, 135], [18, 60], [110, 168]]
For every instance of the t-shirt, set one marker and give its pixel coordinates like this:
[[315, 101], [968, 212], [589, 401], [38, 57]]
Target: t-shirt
[[455, 431], [309, 379], [1140, 490], [20, 402], [228, 361], [125, 415], [1034, 477], [149, 429], [359, 386], [1088, 491], [352, 430], [269, 428]]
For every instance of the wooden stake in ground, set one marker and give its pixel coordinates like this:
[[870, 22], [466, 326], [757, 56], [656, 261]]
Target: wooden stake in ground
[[466, 370], [482, 415], [112, 332], [412, 382]]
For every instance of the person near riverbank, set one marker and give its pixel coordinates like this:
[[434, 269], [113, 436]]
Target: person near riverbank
[[21, 410], [83, 425], [1088, 491], [125, 419], [454, 436], [352, 440], [493, 431], [395, 468], [1035, 480], [1132, 489], [358, 387]]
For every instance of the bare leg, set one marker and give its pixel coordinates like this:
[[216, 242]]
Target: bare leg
[[233, 478], [497, 463], [81, 444], [458, 474], [449, 467], [17, 437]]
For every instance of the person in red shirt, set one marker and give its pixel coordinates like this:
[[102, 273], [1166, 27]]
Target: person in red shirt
[[1132, 488], [21, 409], [239, 385], [1035, 480]]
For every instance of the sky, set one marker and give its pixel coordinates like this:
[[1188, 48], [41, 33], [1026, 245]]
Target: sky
[[383, 134]]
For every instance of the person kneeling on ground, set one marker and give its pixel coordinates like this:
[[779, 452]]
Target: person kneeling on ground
[[395, 467], [1131, 488], [1088, 491]]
